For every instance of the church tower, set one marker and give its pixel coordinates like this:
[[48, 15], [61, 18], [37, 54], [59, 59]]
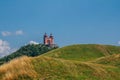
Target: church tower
[[45, 38], [51, 39], [48, 40]]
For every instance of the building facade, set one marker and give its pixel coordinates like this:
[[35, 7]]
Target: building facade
[[48, 40]]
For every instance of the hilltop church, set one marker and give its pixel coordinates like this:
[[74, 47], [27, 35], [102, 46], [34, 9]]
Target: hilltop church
[[49, 40]]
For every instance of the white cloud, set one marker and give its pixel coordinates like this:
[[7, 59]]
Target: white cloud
[[33, 42], [6, 33], [19, 32], [4, 48], [118, 42], [13, 50]]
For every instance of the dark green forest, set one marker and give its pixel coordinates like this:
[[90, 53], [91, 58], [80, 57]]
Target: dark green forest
[[28, 50]]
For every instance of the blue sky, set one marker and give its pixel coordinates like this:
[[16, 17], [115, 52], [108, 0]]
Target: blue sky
[[70, 21]]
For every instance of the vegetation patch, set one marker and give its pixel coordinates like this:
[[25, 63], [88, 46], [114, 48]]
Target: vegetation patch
[[31, 50], [76, 62], [17, 69]]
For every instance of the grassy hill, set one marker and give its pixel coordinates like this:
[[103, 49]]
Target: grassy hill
[[84, 52], [76, 62]]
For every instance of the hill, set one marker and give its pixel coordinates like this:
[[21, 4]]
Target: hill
[[62, 64], [84, 52], [28, 50]]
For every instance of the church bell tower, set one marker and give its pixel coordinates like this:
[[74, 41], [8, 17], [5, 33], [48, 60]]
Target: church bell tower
[[48, 40]]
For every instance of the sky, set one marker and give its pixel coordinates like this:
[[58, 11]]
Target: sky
[[70, 22]]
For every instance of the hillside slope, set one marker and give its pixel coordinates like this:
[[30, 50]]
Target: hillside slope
[[59, 69], [84, 52], [104, 66], [28, 50], [109, 60]]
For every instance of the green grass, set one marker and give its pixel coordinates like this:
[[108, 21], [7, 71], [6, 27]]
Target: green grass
[[75, 62], [84, 52], [109, 60], [59, 69]]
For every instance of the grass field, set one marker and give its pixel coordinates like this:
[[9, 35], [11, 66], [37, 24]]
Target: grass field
[[75, 62]]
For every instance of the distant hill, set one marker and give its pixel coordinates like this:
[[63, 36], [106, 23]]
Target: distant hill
[[75, 62], [28, 50]]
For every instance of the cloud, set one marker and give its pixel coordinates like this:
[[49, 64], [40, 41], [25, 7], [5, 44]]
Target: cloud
[[6, 33], [5, 48], [118, 42], [13, 50], [33, 42], [19, 32]]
